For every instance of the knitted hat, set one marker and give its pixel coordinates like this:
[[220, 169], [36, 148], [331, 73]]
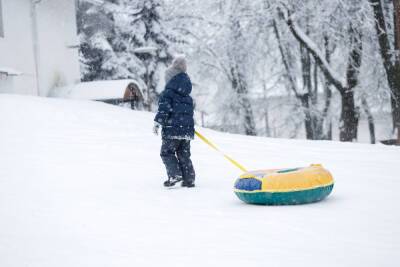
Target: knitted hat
[[179, 63]]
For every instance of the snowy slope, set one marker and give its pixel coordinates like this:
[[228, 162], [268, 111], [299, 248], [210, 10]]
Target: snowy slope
[[81, 185]]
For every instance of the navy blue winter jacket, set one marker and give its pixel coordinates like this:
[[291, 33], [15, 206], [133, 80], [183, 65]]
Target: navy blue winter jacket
[[175, 108]]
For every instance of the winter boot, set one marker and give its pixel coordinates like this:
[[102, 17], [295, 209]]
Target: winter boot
[[187, 184], [172, 181]]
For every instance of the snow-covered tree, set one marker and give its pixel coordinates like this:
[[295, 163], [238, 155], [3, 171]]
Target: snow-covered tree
[[324, 25], [226, 58], [126, 39], [106, 53]]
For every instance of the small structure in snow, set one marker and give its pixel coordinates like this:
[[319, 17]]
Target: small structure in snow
[[134, 96]]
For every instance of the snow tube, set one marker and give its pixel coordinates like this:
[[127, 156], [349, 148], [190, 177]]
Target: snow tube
[[284, 186]]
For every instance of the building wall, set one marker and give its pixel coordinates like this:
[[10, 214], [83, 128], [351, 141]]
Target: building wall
[[16, 50], [57, 33], [55, 62], [1, 21]]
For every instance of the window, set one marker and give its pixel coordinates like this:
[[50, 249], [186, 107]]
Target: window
[[1, 22]]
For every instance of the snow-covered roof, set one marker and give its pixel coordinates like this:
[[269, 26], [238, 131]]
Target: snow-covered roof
[[93, 90], [10, 71]]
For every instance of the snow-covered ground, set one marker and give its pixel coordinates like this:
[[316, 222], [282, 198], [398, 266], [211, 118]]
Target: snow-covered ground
[[81, 185]]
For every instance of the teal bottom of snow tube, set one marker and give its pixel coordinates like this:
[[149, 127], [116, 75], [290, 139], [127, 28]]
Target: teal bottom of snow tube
[[285, 198]]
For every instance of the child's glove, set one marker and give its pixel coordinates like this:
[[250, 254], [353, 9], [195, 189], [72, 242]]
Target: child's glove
[[156, 127]]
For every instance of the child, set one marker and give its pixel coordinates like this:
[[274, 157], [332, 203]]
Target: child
[[175, 115]]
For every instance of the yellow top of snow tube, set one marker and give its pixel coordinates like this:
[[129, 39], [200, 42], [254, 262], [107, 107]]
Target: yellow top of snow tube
[[284, 186]]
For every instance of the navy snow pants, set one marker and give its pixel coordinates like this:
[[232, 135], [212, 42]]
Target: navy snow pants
[[175, 154]]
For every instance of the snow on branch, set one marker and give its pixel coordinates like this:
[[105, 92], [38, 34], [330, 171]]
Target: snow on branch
[[312, 47], [95, 2], [145, 50]]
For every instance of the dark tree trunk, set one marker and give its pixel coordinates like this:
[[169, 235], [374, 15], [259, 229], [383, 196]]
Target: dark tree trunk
[[348, 118], [325, 110], [266, 119], [304, 99], [250, 128], [266, 113], [246, 110], [390, 63], [240, 88], [317, 116], [329, 132], [371, 124], [396, 17], [396, 71], [349, 115], [327, 92], [312, 120], [306, 68]]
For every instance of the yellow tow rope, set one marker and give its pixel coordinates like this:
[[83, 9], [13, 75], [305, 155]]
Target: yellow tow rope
[[231, 160]]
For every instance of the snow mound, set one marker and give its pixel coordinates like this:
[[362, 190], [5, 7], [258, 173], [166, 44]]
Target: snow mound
[[81, 185]]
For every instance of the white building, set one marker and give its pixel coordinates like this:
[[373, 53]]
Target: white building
[[38, 46]]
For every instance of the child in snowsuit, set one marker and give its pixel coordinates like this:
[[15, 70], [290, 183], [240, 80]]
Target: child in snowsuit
[[175, 116]]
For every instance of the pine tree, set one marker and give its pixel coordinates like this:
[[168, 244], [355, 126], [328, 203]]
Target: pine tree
[[155, 41], [103, 55]]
